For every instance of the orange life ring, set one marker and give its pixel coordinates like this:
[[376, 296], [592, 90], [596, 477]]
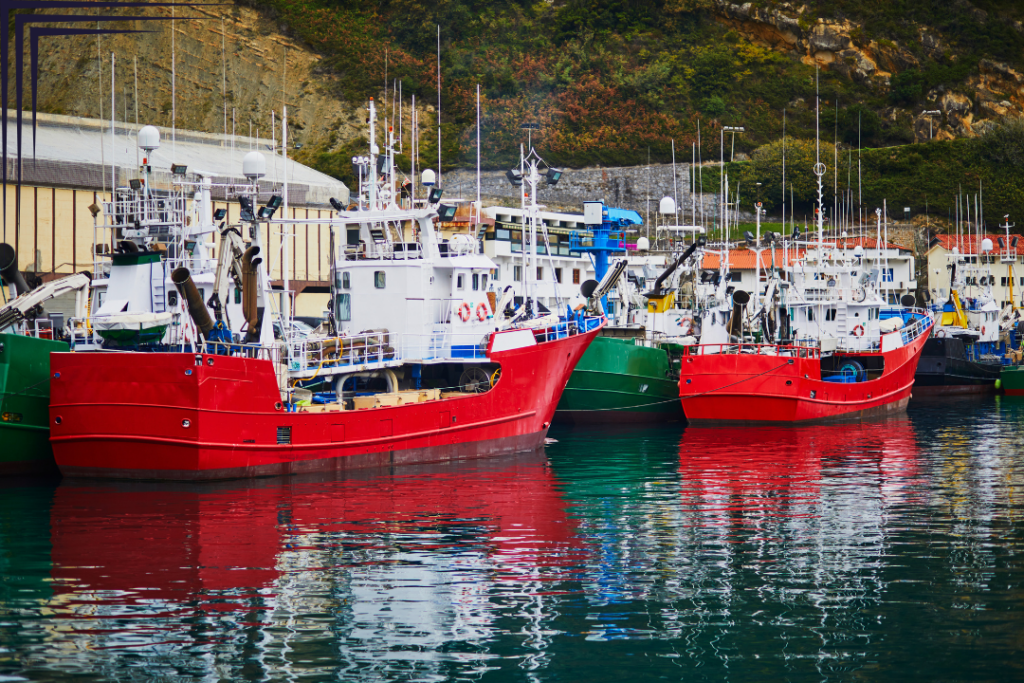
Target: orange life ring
[[464, 312], [859, 330], [482, 311]]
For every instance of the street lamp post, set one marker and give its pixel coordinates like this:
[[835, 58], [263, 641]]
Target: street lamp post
[[930, 114]]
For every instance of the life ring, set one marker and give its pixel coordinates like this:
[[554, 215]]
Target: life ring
[[983, 329], [482, 311], [859, 331], [684, 325], [464, 312]]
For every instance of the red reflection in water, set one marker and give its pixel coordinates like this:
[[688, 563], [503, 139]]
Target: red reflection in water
[[216, 546], [777, 471]]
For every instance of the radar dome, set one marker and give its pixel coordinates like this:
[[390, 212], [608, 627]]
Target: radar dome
[[428, 178], [254, 165], [986, 245], [858, 251], [643, 244], [667, 206], [149, 138]]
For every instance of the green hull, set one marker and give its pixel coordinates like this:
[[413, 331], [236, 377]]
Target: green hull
[[25, 404], [620, 381], [1011, 380]]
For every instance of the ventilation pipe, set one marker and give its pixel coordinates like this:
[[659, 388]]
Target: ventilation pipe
[[182, 279]]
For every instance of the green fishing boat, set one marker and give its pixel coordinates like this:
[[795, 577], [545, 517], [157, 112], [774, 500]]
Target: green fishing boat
[[622, 380], [24, 404]]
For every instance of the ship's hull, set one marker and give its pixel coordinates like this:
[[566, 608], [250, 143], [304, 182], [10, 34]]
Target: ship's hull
[[24, 401], [945, 369], [173, 416], [757, 388], [1012, 380], [618, 381]]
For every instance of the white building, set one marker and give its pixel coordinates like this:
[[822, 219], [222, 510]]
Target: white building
[[1005, 263], [560, 271]]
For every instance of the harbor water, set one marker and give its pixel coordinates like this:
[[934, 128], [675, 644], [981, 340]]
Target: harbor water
[[882, 551]]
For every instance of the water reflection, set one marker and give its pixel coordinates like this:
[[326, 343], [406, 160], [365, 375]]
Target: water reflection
[[886, 550], [305, 575]]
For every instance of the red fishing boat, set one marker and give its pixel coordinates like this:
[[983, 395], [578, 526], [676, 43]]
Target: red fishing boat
[[420, 361], [204, 416], [749, 382]]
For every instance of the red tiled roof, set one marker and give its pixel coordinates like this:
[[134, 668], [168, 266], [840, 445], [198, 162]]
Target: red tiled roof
[[964, 244], [745, 259]]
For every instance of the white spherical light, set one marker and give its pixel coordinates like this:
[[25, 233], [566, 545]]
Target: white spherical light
[[254, 165], [149, 138]]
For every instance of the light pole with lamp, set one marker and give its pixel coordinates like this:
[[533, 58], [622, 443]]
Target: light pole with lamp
[[931, 114]]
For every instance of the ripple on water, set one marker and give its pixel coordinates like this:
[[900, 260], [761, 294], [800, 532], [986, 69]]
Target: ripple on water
[[885, 550]]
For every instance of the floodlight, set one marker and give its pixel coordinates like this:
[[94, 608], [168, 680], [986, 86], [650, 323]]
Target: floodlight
[[515, 176], [553, 176], [275, 202], [446, 213], [266, 213], [336, 204], [219, 214], [246, 213], [178, 169], [435, 195], [135, 183], [749, 237]]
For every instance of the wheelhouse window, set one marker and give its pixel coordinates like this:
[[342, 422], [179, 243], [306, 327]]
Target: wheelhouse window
[[379, 280], [343, 307], [460, 281], [518, 272], [483, 281], [346, 280], [830, 314], [576, 276], [558, 275], [476, 282]]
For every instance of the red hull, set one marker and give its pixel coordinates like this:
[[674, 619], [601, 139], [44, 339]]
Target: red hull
[[755, 388], [124, 415]]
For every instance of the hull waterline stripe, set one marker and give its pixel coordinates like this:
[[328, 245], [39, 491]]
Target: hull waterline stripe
[[289, 447]]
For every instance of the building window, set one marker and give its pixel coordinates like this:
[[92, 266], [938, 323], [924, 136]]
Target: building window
[[378, 279], [344, 307], [611, 308], [476, 282], [503, 234], [518, 272], [887, 275], [576, 276], [558, 275], [460, 282], [1003, 282]]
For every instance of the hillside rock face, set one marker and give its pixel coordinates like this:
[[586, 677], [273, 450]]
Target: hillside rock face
[[258, 71], [998, 91]]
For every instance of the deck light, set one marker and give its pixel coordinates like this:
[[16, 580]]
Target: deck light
[[246, 213], [135, 183], [179, 169], [515, 176], [446, 213], [435, 195], [275, 202], [336, 204], [553, 176], [219, 214]]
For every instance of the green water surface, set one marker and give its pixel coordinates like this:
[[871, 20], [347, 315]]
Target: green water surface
[[885, 551]]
